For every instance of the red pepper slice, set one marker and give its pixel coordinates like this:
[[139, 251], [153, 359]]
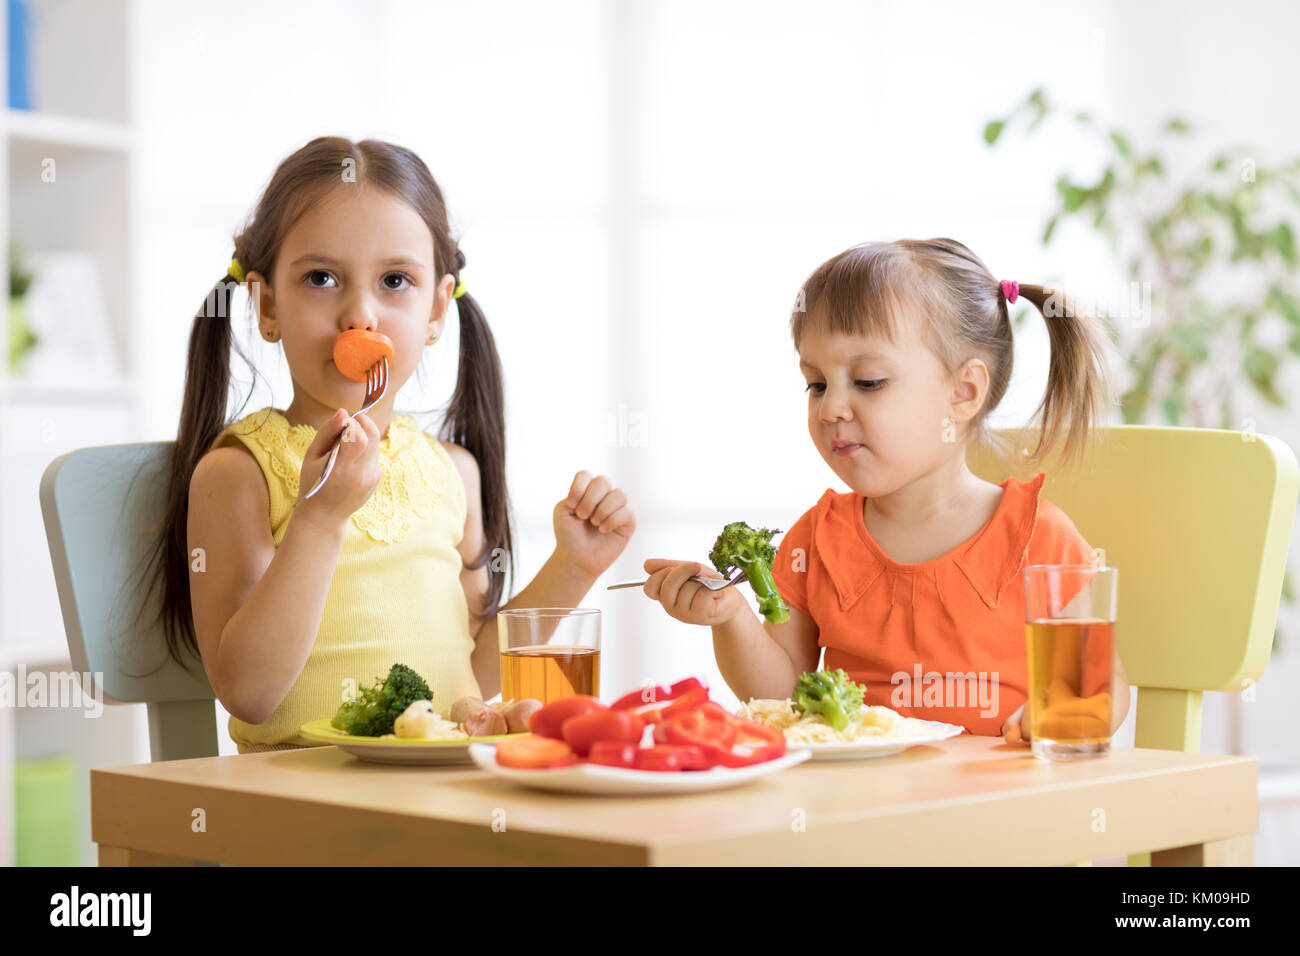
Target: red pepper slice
[[693, 758], [707, 726], [688, 701], [754, 743], [584, 730], [667, 757], [609, 753], [651, 703]]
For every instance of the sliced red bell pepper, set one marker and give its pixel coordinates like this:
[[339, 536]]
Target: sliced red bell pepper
[[693, 758], [687, 701], [754, 743], [666, 757], [549, 721], [651, 703], [584, 730], [707, 726], [612, 754]]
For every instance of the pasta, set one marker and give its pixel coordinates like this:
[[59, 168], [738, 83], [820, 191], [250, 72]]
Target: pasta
[[869, 723]]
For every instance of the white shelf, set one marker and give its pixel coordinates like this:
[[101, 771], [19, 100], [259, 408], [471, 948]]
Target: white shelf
[[16, 391], [35, 126], [81, 65]]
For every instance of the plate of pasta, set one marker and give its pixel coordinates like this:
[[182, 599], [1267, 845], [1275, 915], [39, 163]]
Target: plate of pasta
[[827, 715]]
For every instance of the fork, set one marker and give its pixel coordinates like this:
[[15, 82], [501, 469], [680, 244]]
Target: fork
[[376, 385], [713, 584]]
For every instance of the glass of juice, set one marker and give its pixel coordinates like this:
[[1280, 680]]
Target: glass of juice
[[549, 652], [1070, 638]]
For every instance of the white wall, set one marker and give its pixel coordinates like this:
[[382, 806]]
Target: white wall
[[641, 188]]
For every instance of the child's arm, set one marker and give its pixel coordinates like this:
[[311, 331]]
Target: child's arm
[[1118, 694], [757, 658], [257, 608], [583, 551]]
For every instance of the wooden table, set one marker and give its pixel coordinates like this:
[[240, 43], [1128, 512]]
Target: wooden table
[[969, 800]]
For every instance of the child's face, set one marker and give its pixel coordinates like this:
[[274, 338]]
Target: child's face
[[360, 259], [882, 415]]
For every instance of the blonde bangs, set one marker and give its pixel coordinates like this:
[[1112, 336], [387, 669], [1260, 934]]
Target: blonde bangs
[[857, 293]]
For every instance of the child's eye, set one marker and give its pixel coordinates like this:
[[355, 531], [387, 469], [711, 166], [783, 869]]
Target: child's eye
[[316, 272], [871, 385], [816, 387], [398, 275]]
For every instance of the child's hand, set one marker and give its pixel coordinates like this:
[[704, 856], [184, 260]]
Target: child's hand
[[1016, 729], [592, 524], [670, 584], [356, 469]]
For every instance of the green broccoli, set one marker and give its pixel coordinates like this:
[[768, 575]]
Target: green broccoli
[[829, 693], [373, 711], [740, 546]]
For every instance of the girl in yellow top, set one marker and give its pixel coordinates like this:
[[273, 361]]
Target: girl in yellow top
[[401, 555]]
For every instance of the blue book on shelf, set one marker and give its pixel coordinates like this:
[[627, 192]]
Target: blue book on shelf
[[20, 91]]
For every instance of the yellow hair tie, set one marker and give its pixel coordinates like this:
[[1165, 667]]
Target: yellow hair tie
[[236, 271], [460, 289]]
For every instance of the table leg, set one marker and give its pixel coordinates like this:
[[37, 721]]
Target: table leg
[[122, 856], [1234, 851]]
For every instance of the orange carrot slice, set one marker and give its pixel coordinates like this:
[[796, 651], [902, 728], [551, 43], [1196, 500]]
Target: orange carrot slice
[[356, 351]]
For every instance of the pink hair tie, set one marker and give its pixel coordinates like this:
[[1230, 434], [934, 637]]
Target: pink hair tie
[[1010, 289]]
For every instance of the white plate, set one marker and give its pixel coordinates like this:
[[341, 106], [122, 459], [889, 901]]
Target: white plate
[[596, 778], [399, 750], [864, 749]]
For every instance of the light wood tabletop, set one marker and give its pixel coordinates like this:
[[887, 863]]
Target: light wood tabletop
[[968, 800]]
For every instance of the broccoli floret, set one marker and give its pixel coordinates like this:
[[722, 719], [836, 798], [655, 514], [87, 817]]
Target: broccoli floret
[[740, 546], [829, 693], [375, 708]]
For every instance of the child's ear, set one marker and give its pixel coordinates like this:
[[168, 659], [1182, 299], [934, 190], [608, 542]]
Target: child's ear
[[970, 389], [441, 303], [263, 298]]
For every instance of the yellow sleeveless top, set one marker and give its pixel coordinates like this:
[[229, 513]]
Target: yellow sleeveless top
[[395, 596]]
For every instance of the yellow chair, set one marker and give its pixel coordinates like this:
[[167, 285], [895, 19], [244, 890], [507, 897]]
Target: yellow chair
[[1198, 521]]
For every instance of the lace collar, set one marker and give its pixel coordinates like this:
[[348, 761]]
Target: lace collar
[[412, 482]]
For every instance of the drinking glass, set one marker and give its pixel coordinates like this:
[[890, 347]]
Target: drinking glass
[[548, 653], [1070, 640]]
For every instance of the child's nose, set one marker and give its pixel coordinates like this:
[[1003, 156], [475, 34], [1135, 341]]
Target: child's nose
[[360, 314], [835, 406]]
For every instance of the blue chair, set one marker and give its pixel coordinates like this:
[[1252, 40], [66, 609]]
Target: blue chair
[[102, 507]]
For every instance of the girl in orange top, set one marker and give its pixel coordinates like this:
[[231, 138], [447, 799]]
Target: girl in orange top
[[912, 581]]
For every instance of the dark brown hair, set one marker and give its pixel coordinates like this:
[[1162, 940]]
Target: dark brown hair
[[943, 287], [474, 417]]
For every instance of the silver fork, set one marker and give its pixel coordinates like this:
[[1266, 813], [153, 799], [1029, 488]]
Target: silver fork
[[713, 584], [376, 385]]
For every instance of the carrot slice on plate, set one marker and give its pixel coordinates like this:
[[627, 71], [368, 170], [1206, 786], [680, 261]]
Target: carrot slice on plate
[[356, 351], [533, 753]]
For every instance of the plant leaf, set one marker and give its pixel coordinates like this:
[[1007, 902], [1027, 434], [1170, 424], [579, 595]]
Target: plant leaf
[[1284, 241], [992, 130], [1260, 367], [1051, 227], [1173, 408], [1176, 125], [1121, 144]]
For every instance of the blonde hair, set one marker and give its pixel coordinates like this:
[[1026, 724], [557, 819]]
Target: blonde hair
[[871, 288]]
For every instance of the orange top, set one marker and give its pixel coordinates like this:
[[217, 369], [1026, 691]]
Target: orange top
[[940, 640]]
